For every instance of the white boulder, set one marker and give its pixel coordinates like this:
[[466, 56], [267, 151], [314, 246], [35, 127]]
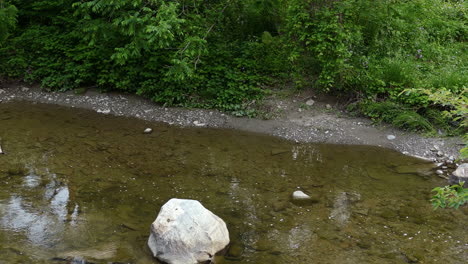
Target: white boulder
[[460, 174], [185, 232]]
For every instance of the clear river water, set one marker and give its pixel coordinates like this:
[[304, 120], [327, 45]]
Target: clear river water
[[82, 187]]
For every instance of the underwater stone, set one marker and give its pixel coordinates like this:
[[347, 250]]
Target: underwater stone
[[185, 232], [148, 130]]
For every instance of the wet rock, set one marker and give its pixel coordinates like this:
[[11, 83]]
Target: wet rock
[[275, 152], [148, 130], [388, 213], [440, 154], [341, 207], [460, 174], [421, 169], [102, 252], [300, 195], [300, 198], [185, 232], [235, 252], [279, 206], [391, 137], [104, 111], [439, 172], [364, 244], [17, 169]]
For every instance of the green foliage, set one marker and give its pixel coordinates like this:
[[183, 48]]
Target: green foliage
[[223, 53], [451, 196], [455, 105], [396, 114], [8, 14]]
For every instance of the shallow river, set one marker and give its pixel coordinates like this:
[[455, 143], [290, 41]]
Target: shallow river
[[82, 187]]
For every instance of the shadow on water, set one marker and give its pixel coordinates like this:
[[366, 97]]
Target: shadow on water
[[80, 187]]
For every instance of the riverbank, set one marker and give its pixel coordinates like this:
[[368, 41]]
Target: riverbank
[[299, 117]]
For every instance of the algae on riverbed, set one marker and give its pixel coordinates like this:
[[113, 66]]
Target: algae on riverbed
[[90, 186]]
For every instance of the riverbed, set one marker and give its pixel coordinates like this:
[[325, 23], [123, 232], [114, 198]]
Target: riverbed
[[78, 186]]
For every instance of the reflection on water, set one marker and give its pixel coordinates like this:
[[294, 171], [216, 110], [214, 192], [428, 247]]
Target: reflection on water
[[77, 186]]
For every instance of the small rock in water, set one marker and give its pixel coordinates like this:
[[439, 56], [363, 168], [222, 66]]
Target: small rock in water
[[440, 154], [439, 172], [300, 198], [148, 130], [391, 137], [300, 195], [310, 102], [105, 111]]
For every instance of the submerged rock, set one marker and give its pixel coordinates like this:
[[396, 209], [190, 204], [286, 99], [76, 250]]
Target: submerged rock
[[341, 207], [185, 232], [421, 169], [460, 174], [148, 130]]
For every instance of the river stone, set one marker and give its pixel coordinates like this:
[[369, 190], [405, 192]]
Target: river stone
[[460, 174], [185, 232], [300, 198], [300, 195]]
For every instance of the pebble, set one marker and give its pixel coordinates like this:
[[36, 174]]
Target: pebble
[[148, 130], [328, 106], [198, 123], [310, 102], [439, 172], [440, 154], [300, 195], [391, 137], [106, 111]]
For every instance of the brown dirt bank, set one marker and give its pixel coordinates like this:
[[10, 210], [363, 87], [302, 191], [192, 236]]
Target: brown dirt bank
[[293, 120]]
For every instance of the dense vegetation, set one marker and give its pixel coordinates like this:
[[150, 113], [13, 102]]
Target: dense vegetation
[[387, 55]]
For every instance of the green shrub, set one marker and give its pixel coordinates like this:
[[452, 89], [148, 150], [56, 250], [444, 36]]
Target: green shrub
[[451, 196], [395, 114]]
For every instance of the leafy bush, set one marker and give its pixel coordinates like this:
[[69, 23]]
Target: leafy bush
[[451, 196], [8, 14], [223, 53]]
